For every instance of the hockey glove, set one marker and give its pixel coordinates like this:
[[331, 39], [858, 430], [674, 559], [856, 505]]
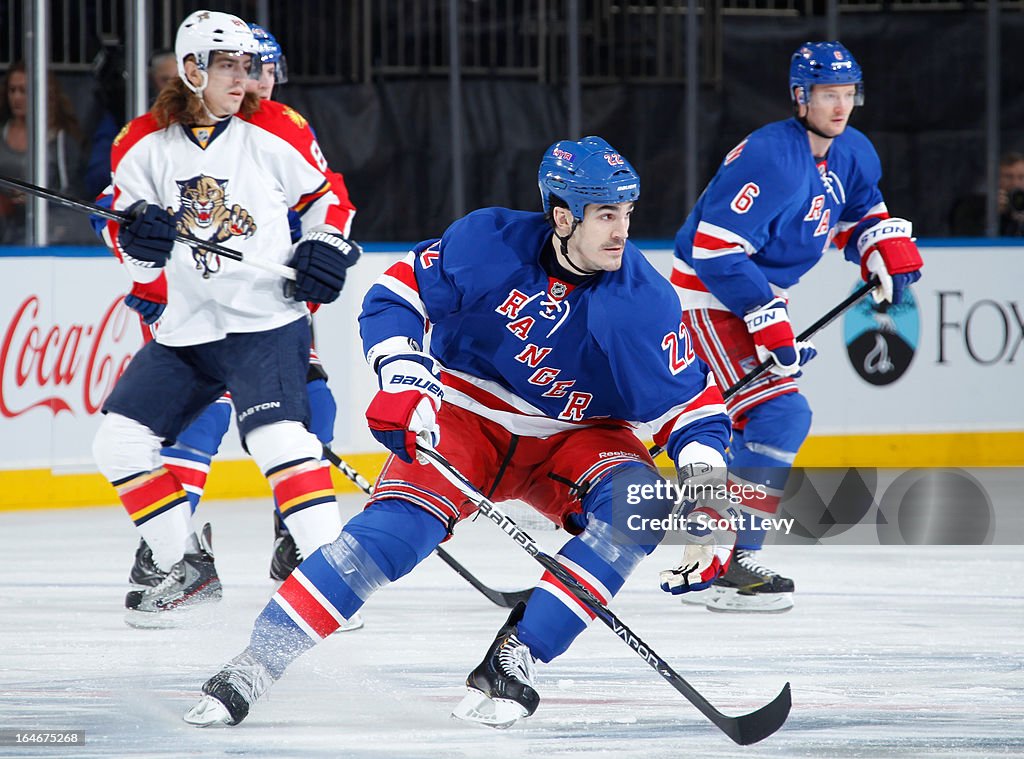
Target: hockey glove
[[148, 299], [888, 251], [702, 474], [148, 237], [405, 408], [321, 261], [773, 339]]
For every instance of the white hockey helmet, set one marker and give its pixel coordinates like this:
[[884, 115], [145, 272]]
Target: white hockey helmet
[[206, 32]]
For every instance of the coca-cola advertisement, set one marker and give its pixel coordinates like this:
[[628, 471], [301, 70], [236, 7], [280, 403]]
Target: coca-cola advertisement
[[65, 338]]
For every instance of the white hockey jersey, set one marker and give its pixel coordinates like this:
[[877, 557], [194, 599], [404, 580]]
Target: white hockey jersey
[[233, 184]]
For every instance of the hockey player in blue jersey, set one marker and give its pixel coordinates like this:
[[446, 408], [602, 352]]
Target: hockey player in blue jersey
[[552, 340], [780, 200]]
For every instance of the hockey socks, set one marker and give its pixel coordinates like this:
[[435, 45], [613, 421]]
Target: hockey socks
[[599, 558], [305, 499], [554, 616], [378, 545], [159, 507], [191, 467]]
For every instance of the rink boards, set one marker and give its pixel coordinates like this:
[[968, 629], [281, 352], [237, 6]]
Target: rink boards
[[931, 383]]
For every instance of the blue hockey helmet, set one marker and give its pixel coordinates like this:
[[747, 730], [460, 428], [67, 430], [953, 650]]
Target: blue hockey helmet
[[585, 172], [271, 52], [823, 63]]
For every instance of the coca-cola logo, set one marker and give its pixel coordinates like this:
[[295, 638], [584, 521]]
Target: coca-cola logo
[[62, 367]]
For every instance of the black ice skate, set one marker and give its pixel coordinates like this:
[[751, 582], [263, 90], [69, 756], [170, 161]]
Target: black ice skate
[[191, 582], [228, 695], [501, 688], [144, 571], [286, 554], [747, 586]]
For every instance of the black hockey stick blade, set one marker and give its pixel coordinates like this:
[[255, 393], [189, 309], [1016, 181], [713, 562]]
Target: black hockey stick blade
[[506, 598], [756, 726], [744, 729]]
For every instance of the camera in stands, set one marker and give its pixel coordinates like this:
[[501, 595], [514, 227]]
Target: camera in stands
[[1016, 200]]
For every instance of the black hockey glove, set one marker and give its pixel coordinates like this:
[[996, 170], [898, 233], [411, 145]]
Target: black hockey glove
[[148, 238], [321, 261]]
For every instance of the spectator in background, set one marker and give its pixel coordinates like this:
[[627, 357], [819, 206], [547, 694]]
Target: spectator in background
[[968, 215], [163, 69], [64, 139]]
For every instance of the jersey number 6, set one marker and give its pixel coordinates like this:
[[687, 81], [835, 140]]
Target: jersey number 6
[[745, 198]]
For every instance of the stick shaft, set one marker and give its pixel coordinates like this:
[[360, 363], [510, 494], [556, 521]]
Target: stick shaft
[[105, 213]]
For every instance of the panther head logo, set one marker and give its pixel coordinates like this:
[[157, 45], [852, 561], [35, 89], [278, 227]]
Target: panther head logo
[[202, 200], [204, 212]]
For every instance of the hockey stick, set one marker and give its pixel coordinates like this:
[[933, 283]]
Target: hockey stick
[[744, 730], [808, 333], [92, 209], [505, 598]]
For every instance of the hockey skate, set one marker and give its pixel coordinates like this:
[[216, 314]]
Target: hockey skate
[[501, 688], [192, 582], [144, 571], [747, 586], [286, 554], [228, 695]]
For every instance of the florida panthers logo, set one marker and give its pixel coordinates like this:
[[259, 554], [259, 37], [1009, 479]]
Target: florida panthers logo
[[204, 213]]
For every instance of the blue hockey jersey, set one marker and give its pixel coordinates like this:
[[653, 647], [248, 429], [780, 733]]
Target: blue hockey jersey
[[771, 212], [537, 354]]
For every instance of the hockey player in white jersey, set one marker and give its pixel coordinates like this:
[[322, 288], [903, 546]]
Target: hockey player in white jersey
[[210, 161]]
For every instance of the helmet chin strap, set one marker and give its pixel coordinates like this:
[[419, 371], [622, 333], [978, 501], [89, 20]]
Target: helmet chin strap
[[564, 245], [199, 93]]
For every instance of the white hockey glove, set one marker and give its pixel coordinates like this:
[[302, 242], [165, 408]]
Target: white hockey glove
[[702, 476]]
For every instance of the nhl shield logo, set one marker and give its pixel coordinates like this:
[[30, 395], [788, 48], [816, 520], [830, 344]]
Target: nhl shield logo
[[558, 290]]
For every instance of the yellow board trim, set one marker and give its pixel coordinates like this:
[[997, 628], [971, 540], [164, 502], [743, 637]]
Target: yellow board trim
[[42, 489]]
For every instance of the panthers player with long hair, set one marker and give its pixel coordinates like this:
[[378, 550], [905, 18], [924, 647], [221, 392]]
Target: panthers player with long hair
[[552, 342], [189, 457], [210, 159], [782, 198]]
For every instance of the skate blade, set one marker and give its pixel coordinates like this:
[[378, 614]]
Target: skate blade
[[482, 710], [730, 601], [164, 620], [209, 712], [355, 622], [700, 597]]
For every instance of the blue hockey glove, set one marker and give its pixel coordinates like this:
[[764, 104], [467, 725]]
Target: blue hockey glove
[[149, 310], [148, 299], [148, 238], [321, 261]]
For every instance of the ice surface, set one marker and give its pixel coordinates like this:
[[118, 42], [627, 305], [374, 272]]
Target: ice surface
[[911, 652]]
